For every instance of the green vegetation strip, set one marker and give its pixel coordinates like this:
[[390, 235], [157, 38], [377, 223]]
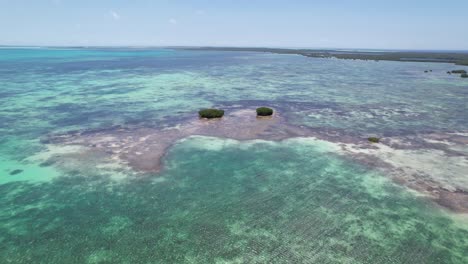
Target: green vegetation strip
[[415, 56]]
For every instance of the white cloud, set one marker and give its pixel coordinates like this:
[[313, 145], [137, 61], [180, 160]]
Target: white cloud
[[173, 21], [114, 15]]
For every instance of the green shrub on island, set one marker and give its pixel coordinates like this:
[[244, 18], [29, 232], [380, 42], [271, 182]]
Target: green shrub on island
[[264, 111], [211, 113], [459, 71], [464, 75], [374, 139]]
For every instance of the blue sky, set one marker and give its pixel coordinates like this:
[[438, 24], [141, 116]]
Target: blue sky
[[395, 24]]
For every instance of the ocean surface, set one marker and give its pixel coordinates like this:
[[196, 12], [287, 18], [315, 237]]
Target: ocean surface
[[218, 200]]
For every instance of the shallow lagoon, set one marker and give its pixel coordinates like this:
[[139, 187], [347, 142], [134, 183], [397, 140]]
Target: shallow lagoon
[[218, 200]]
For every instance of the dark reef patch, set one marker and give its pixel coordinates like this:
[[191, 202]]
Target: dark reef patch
[[47, 163], [15, 172]]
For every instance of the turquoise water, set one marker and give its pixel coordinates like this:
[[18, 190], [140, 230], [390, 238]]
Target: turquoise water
[[217, 200]]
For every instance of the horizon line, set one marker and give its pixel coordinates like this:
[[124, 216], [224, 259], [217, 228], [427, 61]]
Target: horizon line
[[223, 46]]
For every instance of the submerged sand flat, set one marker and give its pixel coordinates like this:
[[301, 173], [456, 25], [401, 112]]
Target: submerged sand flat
[[143, 148], [432, 164]]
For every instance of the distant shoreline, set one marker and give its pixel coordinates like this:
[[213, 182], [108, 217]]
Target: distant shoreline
[[459, 57], [456, 57]]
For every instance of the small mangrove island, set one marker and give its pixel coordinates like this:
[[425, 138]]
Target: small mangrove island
[[211, 113], [264, 111]]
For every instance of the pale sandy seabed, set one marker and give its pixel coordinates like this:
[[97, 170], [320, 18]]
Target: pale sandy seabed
[[432, 165]]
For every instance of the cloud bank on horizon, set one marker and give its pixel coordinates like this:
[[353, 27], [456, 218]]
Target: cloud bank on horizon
[[378, 24]]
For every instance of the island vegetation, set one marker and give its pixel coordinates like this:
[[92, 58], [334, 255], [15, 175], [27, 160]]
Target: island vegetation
[[373, 139], [264, 111], [458, 58], [211, 113], [459, 71]]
